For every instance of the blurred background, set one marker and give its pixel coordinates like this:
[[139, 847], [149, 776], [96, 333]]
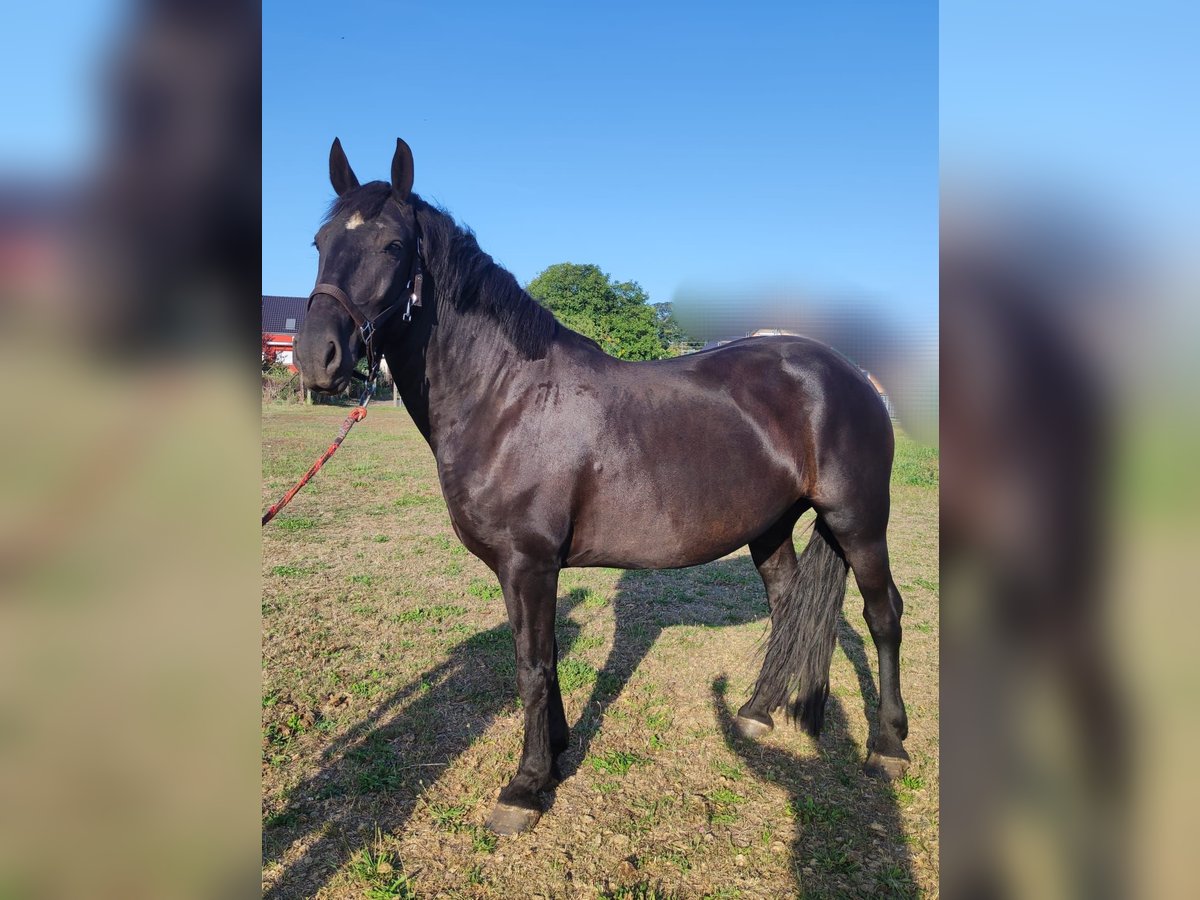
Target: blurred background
[[1069, 435], [129, 223]]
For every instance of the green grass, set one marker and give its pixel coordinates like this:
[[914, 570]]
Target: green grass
[[724, 796], [358, 674], [429, 613], [725, 802], [411, 500], [608, 683], [643, 890], [837, 862], [368, 685], [718, 576], [894, 882], [591, 642], [379, 876], [587, 598], [381, 778], [733, 773], [484, 589], [448, 817], [810, 812], [400, 887], [615, 762], [658, 720], [293, 571], [651, 813], [915, 465], [294, 523], [281, 819], [677, 859], [574, 674], [482, 840]]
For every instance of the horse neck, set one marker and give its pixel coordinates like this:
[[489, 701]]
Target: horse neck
[[453, 355]]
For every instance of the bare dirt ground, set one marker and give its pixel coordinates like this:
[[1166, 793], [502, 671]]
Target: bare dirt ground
[[390, 718]]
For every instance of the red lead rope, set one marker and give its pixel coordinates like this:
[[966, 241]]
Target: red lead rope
[[357, 414]]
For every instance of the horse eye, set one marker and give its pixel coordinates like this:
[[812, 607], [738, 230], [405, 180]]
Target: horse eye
[[396, 249]]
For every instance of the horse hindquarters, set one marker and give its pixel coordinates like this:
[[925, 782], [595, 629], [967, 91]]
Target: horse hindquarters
[[806, 607]]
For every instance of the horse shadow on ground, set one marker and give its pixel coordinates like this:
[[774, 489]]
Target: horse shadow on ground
[[722, 593], [377, 771], [847, 826]]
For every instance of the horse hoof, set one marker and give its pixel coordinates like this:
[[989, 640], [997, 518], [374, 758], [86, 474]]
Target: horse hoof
[[751, 729], [889, 768], [507, 819]]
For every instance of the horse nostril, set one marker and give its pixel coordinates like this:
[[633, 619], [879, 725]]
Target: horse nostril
[[331, 357]]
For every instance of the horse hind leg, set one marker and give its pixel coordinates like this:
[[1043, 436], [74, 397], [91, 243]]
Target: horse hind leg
[[882, 609]]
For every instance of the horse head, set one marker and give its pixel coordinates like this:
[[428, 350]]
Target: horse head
[[369, 270]]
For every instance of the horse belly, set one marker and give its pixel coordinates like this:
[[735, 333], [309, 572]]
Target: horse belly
[[669, 518]]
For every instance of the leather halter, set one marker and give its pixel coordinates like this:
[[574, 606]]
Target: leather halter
[[368, 328]]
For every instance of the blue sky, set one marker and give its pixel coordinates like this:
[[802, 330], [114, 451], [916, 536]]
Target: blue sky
[[1096, 100], [701, 142], [734, 145], [50, 98]]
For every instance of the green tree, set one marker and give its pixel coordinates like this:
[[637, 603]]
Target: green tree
[[616, 315], [669, 330]]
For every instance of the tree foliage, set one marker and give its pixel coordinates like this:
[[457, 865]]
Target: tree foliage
[[616, 315], [669, 330]]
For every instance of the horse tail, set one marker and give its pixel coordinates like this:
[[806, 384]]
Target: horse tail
[[803, 633]]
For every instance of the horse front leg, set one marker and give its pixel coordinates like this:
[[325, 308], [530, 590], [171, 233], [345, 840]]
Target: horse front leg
[[530, 594]]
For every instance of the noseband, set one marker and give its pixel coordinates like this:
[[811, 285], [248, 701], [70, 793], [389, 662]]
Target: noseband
[[368, 328]]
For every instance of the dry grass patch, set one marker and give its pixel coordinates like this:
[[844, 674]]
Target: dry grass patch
[[390, 719]]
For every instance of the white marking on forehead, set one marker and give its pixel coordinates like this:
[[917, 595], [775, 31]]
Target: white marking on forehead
[[355, 221]]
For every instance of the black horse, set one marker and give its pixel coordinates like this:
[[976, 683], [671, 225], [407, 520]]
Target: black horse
[[551, 453]]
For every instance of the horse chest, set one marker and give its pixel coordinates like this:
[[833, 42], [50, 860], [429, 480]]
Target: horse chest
[[503, 510]]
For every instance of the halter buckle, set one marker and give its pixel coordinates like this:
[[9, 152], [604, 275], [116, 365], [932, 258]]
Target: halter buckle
[[417, 283]]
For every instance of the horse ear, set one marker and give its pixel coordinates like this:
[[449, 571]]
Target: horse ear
[[402, 170], [341, 176]]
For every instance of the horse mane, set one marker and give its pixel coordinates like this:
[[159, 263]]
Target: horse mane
[[462, 271], [367, 201]]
